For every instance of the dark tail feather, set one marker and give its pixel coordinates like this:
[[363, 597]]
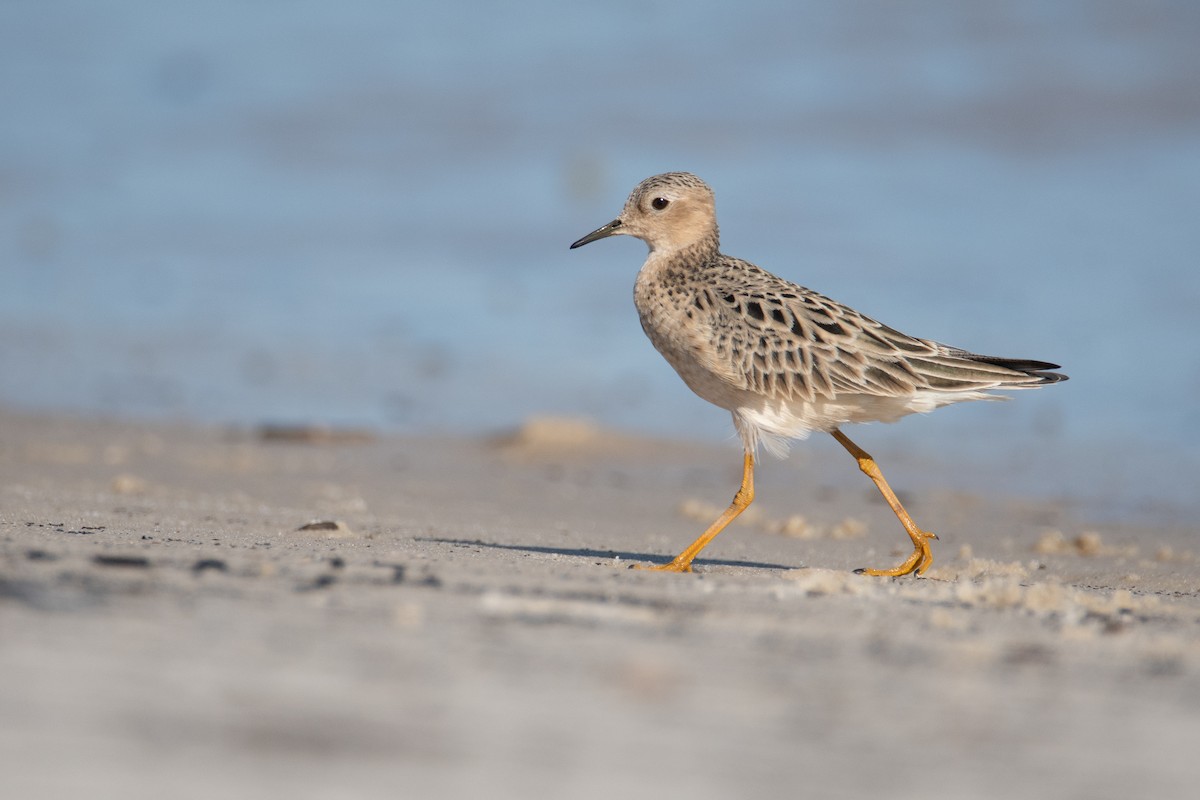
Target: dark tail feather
[[1039, 370]]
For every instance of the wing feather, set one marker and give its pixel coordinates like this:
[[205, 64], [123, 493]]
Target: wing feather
[[778, 339]]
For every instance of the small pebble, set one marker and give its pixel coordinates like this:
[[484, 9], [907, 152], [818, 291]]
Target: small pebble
[[320, 582], [140, 562]]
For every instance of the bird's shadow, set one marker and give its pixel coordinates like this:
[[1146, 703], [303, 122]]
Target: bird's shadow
[[578, 552]]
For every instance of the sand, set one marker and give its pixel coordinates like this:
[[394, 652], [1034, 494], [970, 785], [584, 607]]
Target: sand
[[192, 612]]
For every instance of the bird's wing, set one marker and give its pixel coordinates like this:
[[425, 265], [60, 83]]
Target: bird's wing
[[784, 341]]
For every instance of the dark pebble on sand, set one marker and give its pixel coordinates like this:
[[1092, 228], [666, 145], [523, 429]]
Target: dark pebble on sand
[[320, 582], [323, 525], [140, 562]]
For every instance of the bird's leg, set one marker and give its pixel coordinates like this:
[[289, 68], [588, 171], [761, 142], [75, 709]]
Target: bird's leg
[[922, 556], [741, 500]]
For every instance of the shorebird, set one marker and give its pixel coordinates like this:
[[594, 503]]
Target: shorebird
[[783, 359]]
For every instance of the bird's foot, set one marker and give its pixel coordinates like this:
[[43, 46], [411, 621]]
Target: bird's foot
[[671, 566], [920, 560]]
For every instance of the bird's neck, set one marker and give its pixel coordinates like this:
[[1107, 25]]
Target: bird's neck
[[667, 266], [696, 251]]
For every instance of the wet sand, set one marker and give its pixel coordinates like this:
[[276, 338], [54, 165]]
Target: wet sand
[[195, 612]]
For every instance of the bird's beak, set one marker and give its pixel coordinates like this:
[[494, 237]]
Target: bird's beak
[[610, 229]]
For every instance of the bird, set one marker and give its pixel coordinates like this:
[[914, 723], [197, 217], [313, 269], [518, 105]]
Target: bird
[[785, 360]]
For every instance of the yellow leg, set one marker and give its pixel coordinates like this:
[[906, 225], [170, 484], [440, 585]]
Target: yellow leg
[[741, 500], [922, 556]]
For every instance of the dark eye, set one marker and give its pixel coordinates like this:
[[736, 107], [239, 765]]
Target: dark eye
[[659, 203]]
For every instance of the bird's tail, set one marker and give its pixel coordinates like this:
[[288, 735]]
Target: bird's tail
[[1038, 373]]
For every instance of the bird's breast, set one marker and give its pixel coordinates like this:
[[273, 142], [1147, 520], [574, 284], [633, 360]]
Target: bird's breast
[[670, 318]]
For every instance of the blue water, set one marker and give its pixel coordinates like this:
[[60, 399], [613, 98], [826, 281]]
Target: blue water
[[358, 213]]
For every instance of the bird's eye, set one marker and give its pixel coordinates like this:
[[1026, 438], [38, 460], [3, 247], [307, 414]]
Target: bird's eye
[[659, 203]]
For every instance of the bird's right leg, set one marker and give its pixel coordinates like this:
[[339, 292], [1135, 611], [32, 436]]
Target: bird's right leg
[[741, 501]]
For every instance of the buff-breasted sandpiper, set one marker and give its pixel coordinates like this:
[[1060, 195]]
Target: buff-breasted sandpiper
[[783, 359]]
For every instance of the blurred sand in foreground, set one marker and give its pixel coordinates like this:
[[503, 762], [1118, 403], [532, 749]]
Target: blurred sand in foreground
[[196, 612]]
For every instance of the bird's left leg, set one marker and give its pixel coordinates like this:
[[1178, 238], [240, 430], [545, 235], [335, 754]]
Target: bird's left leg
[[922, 556]]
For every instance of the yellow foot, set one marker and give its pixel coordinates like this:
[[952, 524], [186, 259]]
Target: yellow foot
[[673, 566], [920, 560]]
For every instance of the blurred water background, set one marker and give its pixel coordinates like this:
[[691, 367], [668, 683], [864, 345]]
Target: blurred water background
[[358, 213]]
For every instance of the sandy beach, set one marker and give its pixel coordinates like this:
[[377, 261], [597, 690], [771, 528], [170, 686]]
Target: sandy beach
[[196, 612]]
